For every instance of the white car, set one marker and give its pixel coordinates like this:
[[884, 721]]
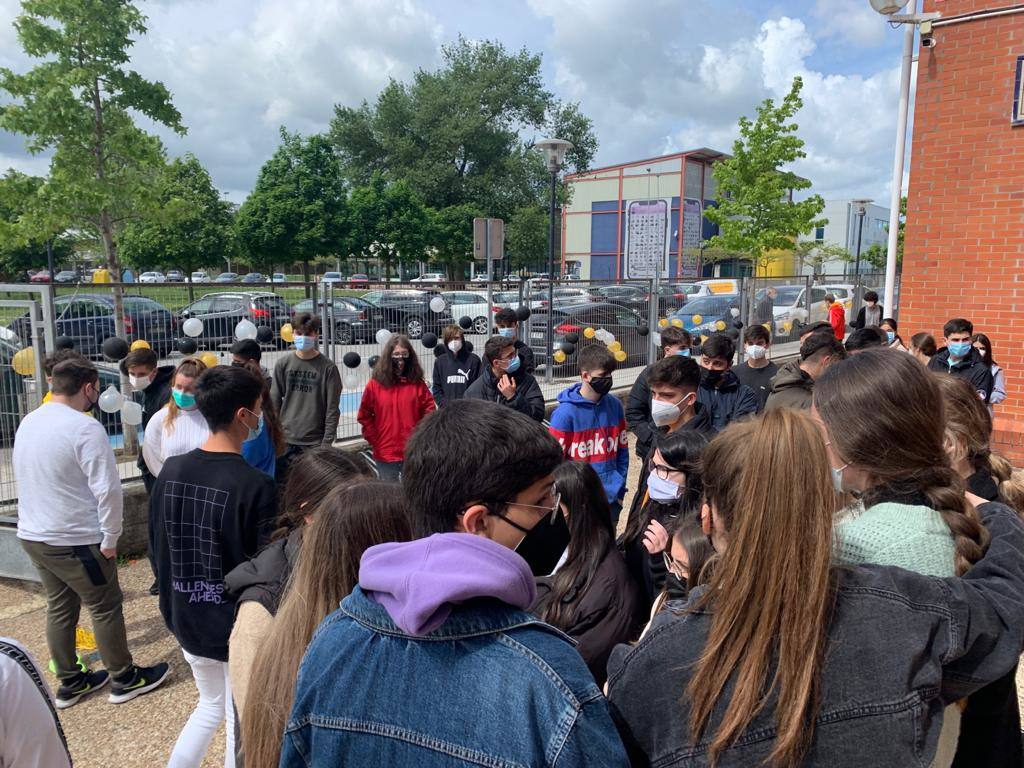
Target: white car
[[200, 277], [844, 295], [468, 304], [429, 277], [510, 299], [152, 277], [333, 278], [278, 277], [790, 307]]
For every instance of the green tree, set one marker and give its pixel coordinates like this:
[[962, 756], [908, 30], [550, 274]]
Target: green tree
[[451, 237], [756, 215], [80, 102], [298, 210], [389, 222], [526, 237], [814, 254], [191, 228], [23, 238], [456, 135]]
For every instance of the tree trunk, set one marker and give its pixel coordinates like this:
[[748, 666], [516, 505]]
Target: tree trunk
[[305, 275]]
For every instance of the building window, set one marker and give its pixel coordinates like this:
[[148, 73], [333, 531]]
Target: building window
[[819, 235], [1017, 118]]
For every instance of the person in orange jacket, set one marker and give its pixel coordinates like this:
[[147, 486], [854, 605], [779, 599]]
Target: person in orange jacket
[[836, 316]]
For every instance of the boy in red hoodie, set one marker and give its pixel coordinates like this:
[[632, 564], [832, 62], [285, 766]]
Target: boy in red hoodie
[[836, 316]]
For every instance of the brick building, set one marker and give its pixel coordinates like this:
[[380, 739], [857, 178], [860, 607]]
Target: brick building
[[964, 246]]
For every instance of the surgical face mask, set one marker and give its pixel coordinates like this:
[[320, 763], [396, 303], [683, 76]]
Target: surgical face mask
[[837, 478], [508, 333], [663, 414], [254, 433], [183, 399], [601, 384], [981, 351], [140, 382], [304, 343], [683, 352], [664, 491], [756, 351], [959, 348], [891, 336], [455, 345], [513, 364]]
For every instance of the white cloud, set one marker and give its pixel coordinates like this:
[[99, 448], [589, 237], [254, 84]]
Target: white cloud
[[853, 21]]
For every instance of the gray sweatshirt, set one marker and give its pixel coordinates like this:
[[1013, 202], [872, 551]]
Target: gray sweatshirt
[[306, 394]]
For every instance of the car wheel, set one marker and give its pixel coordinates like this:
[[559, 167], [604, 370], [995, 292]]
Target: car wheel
[[414, 327], [343, 334], [480, 325]]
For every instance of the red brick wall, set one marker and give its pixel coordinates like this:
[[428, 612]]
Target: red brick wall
[[964, 245]]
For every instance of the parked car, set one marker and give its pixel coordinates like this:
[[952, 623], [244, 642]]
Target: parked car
[[227, 277], [359, 281], [200, 277], [566, 296], [706, 314], [42, 276], [511, 299], [333, 278], [842, 291], [88, 319], [355, 321], [481, 278], [638, 297], [429, 277], [278, 277], [471, 305], [252, 277], [789, 309], [152, 277], [716, 286], [408, 311], [621, 321], [66, 276], [221, 312], [175, 276]]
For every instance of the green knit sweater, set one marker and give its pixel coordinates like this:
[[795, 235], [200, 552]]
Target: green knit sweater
[[911, 537]]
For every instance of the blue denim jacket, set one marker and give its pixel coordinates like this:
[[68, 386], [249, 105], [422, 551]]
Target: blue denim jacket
[[493, 686]]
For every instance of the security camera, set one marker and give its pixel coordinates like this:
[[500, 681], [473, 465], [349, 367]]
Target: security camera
[[928, 42]]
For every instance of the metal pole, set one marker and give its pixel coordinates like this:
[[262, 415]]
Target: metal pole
[[896, 193], [652, 320], [490, 283], [856, 264], [550, 343]]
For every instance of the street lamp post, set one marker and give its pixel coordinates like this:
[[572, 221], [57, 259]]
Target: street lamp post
[[554, 154], [862, 209]]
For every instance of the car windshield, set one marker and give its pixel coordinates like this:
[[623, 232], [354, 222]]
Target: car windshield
[[707, 305], [788, 294]]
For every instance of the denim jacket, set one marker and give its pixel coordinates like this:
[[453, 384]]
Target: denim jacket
[[901, 646], [493, 686]]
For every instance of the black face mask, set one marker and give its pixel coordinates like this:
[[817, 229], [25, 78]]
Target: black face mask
[[398, 365], [712, 377], [544, 544], [601, 384]]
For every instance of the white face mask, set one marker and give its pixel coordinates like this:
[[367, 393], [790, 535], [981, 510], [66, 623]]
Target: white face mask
[[663, 414], [455, 345], [756, 352], [140, 382]]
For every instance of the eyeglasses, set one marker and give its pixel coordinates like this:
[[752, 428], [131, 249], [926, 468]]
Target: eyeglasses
[[660, 469], [676, 568], [551, 513], [504, 362], [399, 357]]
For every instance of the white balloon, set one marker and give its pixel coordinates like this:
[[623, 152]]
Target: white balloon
[[657, 338], [131, 413], [350, 381], [609, 337], [437, 304], [246, 329], [383, 335], [111, 400], [602, 335], [735, 312], [193, 327]]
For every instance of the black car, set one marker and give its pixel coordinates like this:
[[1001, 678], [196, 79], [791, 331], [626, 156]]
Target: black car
[[355, 321], [221, 312], [621, 321], [638, 297], [408, 311], [88, 319], [253, 277]]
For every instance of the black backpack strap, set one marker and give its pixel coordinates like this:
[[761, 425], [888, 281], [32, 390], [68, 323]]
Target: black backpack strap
[[23, 660]]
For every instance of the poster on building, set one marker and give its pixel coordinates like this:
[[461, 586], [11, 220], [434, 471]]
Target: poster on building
[[647, 238], [693, 220]]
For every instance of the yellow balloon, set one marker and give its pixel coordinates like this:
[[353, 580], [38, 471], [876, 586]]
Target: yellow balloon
[[24, 361], [209, 359], [677, 322], [588, 333], [697, 319], [139, 344], [288, 333], [787, 326], [621, 355], [768, 327], [703, 339], [663, 323], [720, 325], [559, 356], [614, 346]]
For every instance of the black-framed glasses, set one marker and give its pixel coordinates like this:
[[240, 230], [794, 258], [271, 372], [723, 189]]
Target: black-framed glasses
[[674, 567], [660, 470], [551, 513]]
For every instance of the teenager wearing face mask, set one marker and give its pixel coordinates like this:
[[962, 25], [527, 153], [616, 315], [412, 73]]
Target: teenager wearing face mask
[[590, 425], [178, 427], [306, 392], [154, 381], [757, 370], [674, 342], [721, 392], [869, 314], [890, 328], [591, 597], [983, 345], [394, 401], [793, 385], [506, 325], [455, 369], [263, 450], [504, 380], [210, 511], [959, 358]]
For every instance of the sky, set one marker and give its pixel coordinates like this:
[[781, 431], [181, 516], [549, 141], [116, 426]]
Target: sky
[[655, 76]]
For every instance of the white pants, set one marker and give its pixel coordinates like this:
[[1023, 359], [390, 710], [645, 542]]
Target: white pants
[[214, 707]]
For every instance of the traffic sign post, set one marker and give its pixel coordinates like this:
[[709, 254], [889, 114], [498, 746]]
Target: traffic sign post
[[489, 246]]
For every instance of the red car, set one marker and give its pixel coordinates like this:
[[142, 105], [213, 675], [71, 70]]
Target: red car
[[359, 281], [42, 276]]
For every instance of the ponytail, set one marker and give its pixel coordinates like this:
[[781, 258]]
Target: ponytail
[[944, 490]]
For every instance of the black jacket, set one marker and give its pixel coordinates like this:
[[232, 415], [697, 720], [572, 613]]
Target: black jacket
[[262, 578], [973, 369], [728, 402], [526, 355], [602, 613], [528, 398], [155, 397], [452, 376], [861, 322], [638, 414]]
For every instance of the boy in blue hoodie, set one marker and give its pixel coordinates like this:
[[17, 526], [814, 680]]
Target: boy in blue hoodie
[[433, 660], [591, 427]]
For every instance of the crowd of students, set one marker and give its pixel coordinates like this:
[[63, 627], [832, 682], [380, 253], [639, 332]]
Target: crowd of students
[[821, 564]]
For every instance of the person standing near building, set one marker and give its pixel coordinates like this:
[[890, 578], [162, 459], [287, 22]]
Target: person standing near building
[[455, 369], [721, 391], [69, 520], [674, 341], [983, 345], [504, 380], [959, 358], [757, 371], [178, 427], [506, 323], [765, 310], [836, 316], [154, 381], [793, 385], [394, 401], [249, 351], [870, 314], [306, 392]]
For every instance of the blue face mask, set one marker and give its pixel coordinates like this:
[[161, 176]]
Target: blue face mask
[[959, 349], [683, 352], [183, 400], [254, 433], [304, 343], [508, 333], [513, 364], [891, 335]]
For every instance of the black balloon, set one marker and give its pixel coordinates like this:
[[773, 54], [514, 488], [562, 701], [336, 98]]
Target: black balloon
[[351, 360], [372, 362], [115, 349], [568, 347], [467, 345], [264, 334], [64, 342], [643, 330], [523, 314], [572, 338], [187, 346], [737, 323], [439, 350], [429, 340], [466, 322]]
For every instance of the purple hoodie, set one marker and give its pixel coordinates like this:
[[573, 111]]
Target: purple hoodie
[[419, 581]]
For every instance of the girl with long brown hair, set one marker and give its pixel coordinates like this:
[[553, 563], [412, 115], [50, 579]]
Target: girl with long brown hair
[[786, 658], [394, 401], [347, 523], [178, 427]]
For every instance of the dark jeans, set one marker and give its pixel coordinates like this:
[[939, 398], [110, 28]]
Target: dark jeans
[[391, 471], [149, 481], [72, 576]]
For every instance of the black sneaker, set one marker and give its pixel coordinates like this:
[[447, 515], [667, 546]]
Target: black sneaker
[[154, 589], [84, 683], [137, 682]]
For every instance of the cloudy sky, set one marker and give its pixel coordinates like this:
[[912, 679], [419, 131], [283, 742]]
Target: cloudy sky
[[656, 76]]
